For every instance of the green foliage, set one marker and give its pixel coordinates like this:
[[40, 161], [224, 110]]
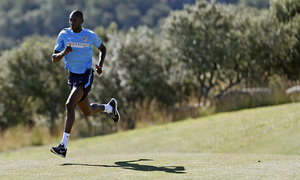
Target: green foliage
[[21, 18], [154, 14], [215, 47], [31, 83], [208, 42], [288, 14], [286, 10], [134, 71], [104, 32], [260, 4]]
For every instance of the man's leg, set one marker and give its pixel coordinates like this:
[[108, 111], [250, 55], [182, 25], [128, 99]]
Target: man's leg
[[90, 109], [74, 97], [93, 108]]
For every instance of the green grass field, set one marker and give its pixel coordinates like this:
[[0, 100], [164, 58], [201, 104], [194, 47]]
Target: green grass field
[[261, 143]]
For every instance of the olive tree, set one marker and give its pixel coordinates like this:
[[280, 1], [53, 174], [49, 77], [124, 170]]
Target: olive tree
[[287, 12], [207, 42]]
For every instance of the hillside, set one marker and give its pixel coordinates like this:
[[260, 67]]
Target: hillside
[[257, 143], [269, 130]]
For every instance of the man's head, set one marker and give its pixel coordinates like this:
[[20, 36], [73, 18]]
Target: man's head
[[76, 20]]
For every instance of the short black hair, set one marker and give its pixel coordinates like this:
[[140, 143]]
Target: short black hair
[[77, 12]]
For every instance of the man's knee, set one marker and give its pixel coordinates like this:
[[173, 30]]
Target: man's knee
[[70, 105], [88, 113]]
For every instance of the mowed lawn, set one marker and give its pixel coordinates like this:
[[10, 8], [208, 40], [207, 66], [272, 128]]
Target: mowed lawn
[[260, 143]]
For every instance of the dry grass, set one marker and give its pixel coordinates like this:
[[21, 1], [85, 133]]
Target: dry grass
[[146, 113], [149, 113], [19, 137]]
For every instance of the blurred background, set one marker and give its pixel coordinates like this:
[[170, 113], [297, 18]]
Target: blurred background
[[167, 60]]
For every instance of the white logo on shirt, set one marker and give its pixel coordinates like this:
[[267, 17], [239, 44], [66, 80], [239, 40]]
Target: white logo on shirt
[[79, 45]]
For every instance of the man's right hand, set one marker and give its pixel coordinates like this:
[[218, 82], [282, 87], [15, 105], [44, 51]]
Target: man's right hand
[[67, 49], [57, 56]]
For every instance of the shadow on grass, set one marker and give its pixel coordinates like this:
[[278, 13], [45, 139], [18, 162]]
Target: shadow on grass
[[134, 165]]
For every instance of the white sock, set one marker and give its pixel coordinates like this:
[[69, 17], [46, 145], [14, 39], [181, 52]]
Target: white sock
[[65, 139], [107, 108]]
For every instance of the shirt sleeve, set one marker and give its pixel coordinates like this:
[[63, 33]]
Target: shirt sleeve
[[59, 46], [96, 40]]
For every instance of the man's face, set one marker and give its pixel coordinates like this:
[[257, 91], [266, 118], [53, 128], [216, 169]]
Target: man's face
[[75, 22]]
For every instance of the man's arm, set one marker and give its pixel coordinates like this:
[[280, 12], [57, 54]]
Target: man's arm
[[57, 56], [102, 49]]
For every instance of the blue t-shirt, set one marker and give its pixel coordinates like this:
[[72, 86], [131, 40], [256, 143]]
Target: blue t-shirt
[[80, 58]]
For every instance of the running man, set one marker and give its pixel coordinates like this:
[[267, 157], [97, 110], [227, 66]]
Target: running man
[[74, 44]]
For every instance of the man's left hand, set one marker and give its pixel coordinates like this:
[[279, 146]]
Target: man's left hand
[[98, 69]]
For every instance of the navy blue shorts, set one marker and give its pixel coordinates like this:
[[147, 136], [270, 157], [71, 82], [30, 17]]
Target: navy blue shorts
[[86, 79]]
